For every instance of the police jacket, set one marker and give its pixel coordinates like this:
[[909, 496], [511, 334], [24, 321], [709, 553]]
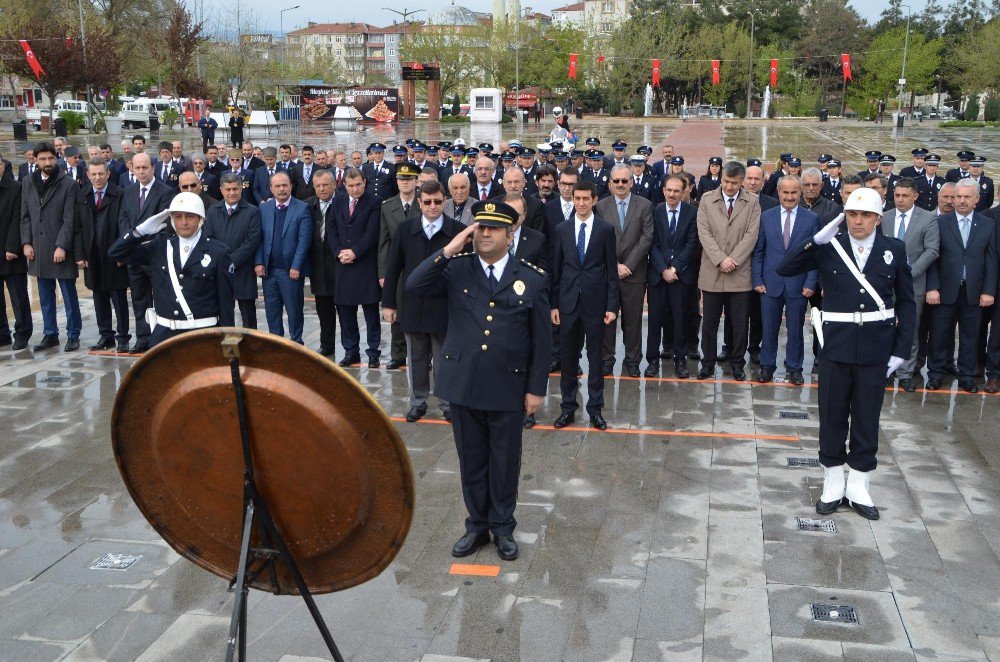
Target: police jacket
[[498, 345], [868, 343]]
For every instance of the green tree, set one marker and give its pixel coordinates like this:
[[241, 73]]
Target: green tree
[[976, 60], [778, 21], [972, 108], [729, 44], [450, 48], [831, 27], [881, 67]]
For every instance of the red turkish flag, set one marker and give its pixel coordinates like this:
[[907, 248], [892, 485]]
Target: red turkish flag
[[774, 74], [572, 66], [33, 62], [600, 59], [715, 72], [845, 63], [656, 73]]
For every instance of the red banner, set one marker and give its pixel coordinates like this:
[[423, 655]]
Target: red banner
[[572, 66], [774, 74], [715, 72], [33, 62], [656, 73], [600, 59], [845, 63]]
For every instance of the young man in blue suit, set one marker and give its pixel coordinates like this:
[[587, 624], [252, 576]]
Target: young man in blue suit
[[283, 256], [781, 228]]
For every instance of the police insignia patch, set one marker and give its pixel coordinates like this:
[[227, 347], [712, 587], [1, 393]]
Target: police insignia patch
[[519, 287], [489, 207], [206, 259], [887, 256]]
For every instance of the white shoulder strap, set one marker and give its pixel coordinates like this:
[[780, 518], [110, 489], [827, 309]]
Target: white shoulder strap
[[853, 268], [178, 292]]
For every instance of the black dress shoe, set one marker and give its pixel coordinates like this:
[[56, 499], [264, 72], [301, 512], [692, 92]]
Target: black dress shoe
[[447, 415], [327, 351], [393, 365], [374, 362], [693, 354], [48, 342], [951, 369], [907, 385], [632, 370], [6, 340], [992, 385], [795, 377], [349, 360], [103, 344], [755, 358], [652, 369], [563, 420], [554, 366], [968, 386], [415, 414], [933, 384], [739, 374], [766, 374], [597, 421], [723, 356], [122, 347], [868, 512], [469, 544], [681, 370], [139, 348], [529, 422], [706, 373], [609, 370], [72, 344], [506, 547], [20, 344], [828, 507]]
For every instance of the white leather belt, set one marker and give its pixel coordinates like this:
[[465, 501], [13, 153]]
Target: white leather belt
[[186, 325], [860, 318]]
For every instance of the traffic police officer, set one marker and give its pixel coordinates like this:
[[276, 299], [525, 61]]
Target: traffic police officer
[[191, 273], [930, 183], [494, 364], [867, 328], [380, 177]]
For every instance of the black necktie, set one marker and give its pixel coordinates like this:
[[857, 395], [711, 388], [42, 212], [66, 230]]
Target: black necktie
[[493, 279], [673, 221], [406, 209]]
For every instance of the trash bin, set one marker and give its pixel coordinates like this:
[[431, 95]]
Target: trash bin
[[824, 114], [524, 116], [154, 124], [21, 130], [899, 120], [60, 125], [579, 113]]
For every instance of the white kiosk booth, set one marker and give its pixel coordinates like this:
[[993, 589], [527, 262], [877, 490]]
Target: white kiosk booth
[[485, 105]]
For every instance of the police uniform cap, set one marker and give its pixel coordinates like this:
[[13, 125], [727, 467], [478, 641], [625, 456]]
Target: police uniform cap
[[377, 147], [459, 141], [872, 155], [715, 160], [409, 142], [472, 151], [637, 159], [920, 151], [458, 149], [188, 202], [525, 151], [71, 151], [977, 161], [514, 143], [486, 147], [556, 145], [646, 150], [406, 170], [677, 160], [419, 147], [833, 163], [507, 156], [593, 142], [399, 150], [965, 155], [576, 153], [933, 159], [824, 158], [751, 163], [543, 148], [795, 162], [785, 156], [561, 156], [494, 214], [432, 149], [595, 154], [444, 144], [619, 144], [887, 158]]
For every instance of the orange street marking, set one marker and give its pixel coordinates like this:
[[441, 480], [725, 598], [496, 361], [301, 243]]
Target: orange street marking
[[474, 570]]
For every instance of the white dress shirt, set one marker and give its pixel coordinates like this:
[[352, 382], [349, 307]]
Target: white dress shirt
[[862, 249], [577, 222], [498, 266], [435, 225], [187, 245]]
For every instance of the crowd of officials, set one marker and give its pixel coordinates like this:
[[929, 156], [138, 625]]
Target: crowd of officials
[[357, 224]]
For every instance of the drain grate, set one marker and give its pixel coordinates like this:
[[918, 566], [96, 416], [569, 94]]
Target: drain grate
[[809, 462], [809, 524], [793, 414], [55, 379], [112, 561], [834, 614]]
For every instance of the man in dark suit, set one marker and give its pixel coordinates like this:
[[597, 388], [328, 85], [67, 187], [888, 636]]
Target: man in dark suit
[[483, 186], [632, 218], [28, 167], [394, 211], [282, 256], [262, 176], [75, 168], [127, 178], [353, 237], [304, 172], [250, 162], [661, 169], [246, 176], [867, 325], [98, 211], [14, 267], [424, 319], [514, 182], [323, 261], [960, 284], [558, 210], [493, 366], [526, 244], [782, 228], [585, 298], [147, 197], [672, 273], [165, 170], [236, 223]]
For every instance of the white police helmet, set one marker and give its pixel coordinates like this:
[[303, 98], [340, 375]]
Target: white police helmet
[[188, 202], [864, 199]]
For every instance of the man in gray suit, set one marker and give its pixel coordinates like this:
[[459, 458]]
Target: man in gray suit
[[918, 229], [458, 206], [632, 216]]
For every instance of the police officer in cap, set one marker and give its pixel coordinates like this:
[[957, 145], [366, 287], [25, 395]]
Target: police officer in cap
[[494, 366], [380, 176], [866, 331], [930, 183], [191, 273], [919, 163]]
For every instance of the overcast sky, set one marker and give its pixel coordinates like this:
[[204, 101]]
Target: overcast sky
[[323, 11]]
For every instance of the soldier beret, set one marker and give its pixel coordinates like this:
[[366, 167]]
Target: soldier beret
[[407, 170], [494, 214]]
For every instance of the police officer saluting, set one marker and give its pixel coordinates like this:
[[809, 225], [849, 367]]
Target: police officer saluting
[[867, 328], [494, 364], [192, 274]]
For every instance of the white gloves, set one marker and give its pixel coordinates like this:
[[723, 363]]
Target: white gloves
[[829, 231], [894, 363], [152, 225]]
